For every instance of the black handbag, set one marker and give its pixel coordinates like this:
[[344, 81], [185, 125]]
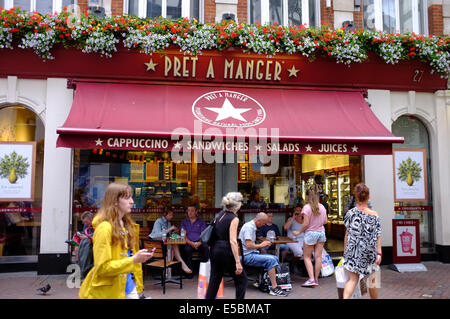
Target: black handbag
[[207, 234]]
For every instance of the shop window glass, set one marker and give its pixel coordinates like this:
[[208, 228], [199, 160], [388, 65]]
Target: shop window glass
[[154, 8], [24, 4], [255, 11], [406, 16], [20, 220], [314, 19], [44, 6], [133, 7], [416, 137], [369, 14], [295, 12], [66, 3], [173, 9], [276, 11], [195, 9], [389, 16]]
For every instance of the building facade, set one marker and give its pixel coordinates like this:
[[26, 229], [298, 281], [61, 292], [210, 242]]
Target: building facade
[[41, 104]]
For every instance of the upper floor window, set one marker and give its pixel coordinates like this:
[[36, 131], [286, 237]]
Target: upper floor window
[[41, 6], [285, 12], [393, 16], [170, 9]]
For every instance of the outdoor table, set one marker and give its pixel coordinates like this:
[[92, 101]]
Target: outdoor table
[[169, 242], [278, 241]]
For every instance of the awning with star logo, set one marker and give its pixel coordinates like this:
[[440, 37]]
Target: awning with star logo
[[231, 119]]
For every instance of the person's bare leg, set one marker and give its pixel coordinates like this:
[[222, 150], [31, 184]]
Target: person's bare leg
[[318, 248], [350, 285], [273, 277], [307, 258], [176, 252]]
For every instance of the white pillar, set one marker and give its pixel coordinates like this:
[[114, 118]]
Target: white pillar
[[378, 169], [441, 169], [56, 198]]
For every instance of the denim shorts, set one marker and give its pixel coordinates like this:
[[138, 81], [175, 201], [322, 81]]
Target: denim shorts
[[255, 259], [313, 237]]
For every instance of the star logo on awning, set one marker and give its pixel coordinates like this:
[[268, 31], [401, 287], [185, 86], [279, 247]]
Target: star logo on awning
[[151, 66], [177, 145], [293, 71], [228, 110], [98, 142], [308, 148], [354, 148], [258, 147]]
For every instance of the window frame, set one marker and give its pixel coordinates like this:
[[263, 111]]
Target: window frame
[[416, 19], [185, 8], [265, 12], [56, 5]]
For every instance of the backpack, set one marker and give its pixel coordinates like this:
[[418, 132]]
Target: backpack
[[283, 277], [85, 256]]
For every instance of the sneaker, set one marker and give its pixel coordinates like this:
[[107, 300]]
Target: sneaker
[[277, 292], [316, 283], [309, 283]]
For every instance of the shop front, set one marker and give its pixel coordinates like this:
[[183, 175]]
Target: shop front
[[184, 129]]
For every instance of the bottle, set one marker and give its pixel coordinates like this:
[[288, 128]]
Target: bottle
[[182, 233], [164, 236]]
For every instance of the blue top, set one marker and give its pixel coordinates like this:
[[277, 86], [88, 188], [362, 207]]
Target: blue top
[[160, 225], [264, 229], [248, 231], [130, 282]]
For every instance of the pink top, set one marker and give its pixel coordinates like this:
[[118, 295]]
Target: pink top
[[315, 222]]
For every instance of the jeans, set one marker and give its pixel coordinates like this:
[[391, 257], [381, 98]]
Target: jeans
[[267, 261]]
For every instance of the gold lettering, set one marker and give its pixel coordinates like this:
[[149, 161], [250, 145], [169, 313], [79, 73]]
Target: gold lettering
[[210, 73], [239, 73], [259, 64], [276, 76], [268, 74], [185, 70], [194, 66], [167, 65], [228, 68], [249, 70], [176, 67]]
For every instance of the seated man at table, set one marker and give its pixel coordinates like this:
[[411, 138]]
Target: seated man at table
[[193, 225], [251, 255], [269, 225]]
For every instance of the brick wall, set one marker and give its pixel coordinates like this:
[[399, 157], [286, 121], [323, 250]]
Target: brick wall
[[242, 11], [358, 19], [435, 20], [210, 11], [326, 14], [117, 7], [83, 5]]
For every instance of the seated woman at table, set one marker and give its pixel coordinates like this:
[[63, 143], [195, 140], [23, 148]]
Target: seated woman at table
[[295, 224], [163, 225]]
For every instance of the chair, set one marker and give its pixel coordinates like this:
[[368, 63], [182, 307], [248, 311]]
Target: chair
[[159, 260]]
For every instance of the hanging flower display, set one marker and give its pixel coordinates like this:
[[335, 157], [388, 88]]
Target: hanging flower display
[[102, 35]]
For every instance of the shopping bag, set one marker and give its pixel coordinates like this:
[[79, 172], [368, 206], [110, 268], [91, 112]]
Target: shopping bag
[[341, 276], [327, 265], [203, 281]]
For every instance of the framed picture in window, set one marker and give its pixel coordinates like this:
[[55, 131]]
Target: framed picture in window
[[17, 171], [410, 175]]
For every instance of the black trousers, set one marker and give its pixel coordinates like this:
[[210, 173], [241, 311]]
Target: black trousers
[[222, 261], [188, 250]]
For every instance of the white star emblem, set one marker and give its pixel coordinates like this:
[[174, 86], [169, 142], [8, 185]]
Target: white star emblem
[[258, 147], [228, 110], [293, 71], [355, 148], [177, 145], [308, 148], [98, 142], [150, 65]]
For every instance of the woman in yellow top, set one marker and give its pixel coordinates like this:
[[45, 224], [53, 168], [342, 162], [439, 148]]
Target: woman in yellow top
[[117, 271]]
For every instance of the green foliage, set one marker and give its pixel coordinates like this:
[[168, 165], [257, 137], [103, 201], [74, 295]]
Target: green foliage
[[13, 160], [411, 167]]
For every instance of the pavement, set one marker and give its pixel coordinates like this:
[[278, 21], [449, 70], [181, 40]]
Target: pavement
[[432, 284]]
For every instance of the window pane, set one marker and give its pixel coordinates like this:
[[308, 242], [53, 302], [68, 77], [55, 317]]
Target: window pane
[[389, 16], [133, 7], [313, 14], [294, 12], [369, 14], [154, 8], [2, 4], [255, 11], [44, 6], [406, 20], [276, 11], [195, 9], [67, 3], [173, 9], [25, 4], [422, 12]]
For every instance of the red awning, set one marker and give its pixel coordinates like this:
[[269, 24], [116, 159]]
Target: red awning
[[152, 117]]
